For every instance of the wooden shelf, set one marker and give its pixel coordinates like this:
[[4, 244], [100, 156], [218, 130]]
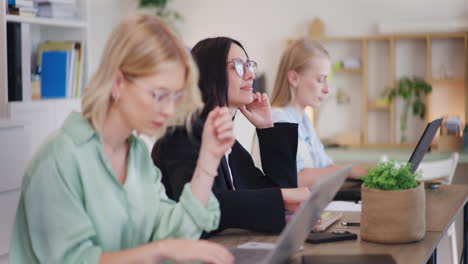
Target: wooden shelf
[[371, 71], [378, 107], [394, 36], [47, 21], [339, 38], [454, 82], [409, 146], [358, 70]]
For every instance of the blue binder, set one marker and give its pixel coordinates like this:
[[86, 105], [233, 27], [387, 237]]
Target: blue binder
[[54, 74]]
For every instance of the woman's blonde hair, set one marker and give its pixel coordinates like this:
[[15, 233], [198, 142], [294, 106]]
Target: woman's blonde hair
[[138, 47], [296, 57]]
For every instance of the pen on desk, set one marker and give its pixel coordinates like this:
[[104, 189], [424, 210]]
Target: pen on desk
[[350, 224]]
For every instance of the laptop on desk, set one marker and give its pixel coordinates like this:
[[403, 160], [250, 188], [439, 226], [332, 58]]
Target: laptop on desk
[[351, 189], [297, 229]]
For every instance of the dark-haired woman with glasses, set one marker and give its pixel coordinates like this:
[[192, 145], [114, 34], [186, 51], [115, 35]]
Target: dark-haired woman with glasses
[[249, 198]]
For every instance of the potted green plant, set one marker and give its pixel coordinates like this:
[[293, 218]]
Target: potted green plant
[[393, 205], [162, 10], [412, 91]]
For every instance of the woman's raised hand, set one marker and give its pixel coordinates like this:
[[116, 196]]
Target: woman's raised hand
[[217, 138], [259, 111]]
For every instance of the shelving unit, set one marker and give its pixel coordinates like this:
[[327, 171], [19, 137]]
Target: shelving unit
[[35, 30], [384, 60], [378, 107], [25, 124]]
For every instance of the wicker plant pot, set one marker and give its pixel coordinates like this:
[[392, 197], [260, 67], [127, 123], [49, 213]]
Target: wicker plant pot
[[393, 216]]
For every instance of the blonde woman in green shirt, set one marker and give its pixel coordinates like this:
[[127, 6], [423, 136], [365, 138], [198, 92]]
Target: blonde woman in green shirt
[[92, 193]]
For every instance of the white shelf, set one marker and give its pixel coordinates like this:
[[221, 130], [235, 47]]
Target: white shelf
[[47, 21], [33, 103]]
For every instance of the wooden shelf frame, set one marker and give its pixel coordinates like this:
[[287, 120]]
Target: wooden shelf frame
[[344, 70], [392, 39]]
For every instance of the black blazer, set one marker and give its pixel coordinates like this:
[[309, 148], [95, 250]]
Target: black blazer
[[256, 203]]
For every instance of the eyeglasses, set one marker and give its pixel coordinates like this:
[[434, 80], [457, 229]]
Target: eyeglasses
[[240, 66], [158, 95]]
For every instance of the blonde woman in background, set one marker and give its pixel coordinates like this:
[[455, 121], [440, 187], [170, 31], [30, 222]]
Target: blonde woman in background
[[301, 81], [92, 193]]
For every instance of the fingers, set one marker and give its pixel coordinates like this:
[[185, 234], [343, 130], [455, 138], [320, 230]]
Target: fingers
[[222, 119], [226, 133], [245, 111], [226, 136], [216, 254], [216, 114], [211, 115], [223, 125], [259, 97]]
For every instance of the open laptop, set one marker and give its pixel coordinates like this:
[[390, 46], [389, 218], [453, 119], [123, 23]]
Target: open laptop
[[302, 222], [424, 143], [351, 190]]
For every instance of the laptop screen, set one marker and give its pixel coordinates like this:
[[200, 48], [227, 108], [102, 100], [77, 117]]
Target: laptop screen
[[423, 144]]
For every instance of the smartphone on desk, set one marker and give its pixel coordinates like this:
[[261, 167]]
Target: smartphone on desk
[[325, 237]]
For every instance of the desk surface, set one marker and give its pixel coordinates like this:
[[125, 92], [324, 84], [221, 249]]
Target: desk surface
[[442, 207]]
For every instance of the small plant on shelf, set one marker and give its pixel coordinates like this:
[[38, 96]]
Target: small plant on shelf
[[161, 10], [411, 90]]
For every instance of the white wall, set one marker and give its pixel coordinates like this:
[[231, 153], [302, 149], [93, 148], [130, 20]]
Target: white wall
[[104, 16], [263, 25]]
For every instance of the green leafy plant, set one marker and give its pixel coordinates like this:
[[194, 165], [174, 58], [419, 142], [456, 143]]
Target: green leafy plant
[[411, 90], [391, 176], [162, 10]]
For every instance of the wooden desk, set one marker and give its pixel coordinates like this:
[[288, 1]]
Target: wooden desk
[[442, 208]]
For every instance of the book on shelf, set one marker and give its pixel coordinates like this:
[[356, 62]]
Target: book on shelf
[[26, 60], [74, 65], [14, 60], [57, 10], [55, 71], [12, 10], [56, 1], [24, 3], [79, 71], [22, 11]]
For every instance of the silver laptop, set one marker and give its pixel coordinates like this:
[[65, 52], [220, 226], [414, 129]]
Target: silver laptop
[[302, 222]]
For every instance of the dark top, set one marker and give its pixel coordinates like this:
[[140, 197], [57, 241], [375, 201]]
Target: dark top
[[256, 203]]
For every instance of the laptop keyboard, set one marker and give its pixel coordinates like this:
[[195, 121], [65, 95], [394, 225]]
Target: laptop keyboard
[[245, 255]]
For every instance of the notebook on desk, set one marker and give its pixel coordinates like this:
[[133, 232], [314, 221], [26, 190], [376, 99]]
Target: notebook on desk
[[348, 259], [351, 189], [297, 229]]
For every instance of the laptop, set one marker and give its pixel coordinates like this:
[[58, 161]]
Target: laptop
[[424, 143], [351, 189], [301, 223]]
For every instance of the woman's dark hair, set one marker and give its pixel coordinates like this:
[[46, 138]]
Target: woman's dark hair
[[211, 57]]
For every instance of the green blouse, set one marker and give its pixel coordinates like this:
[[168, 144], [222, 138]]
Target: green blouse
[[72, 207]]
